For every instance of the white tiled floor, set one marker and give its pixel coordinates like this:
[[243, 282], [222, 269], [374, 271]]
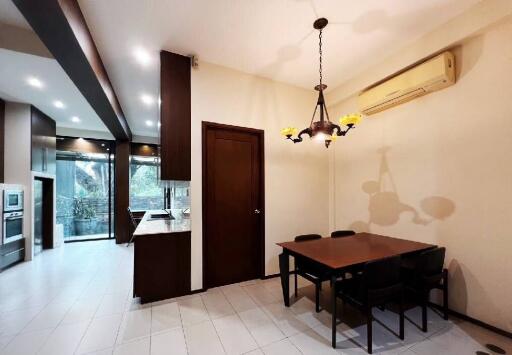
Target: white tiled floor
[[77, 300]]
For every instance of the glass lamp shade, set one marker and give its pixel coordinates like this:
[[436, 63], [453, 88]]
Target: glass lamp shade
[[289, 131], [350, 119]]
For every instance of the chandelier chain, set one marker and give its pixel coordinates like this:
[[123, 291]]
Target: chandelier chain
[[320, 53]]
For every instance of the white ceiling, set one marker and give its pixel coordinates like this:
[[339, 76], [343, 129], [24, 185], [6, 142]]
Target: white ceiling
[[16, 67], [270, 38], [273, 38]]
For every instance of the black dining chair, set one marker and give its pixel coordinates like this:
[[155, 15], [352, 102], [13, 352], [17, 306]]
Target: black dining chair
[[309, 270], [378, 284], [423, 273], [342, 233], [134, 221]]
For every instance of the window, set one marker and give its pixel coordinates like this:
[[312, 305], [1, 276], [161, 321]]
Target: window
[[146, 191], [84, 188]]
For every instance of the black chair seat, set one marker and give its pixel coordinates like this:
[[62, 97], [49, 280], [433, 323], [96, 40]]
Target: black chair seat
[[421, 274], [378, 284]]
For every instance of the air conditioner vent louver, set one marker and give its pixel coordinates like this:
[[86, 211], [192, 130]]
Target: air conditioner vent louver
[[435, 74]]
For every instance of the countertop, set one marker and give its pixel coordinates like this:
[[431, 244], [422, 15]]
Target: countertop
[[161, 226]]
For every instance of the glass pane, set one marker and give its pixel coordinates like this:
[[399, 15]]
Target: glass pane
[[83, 195], [146, 193]]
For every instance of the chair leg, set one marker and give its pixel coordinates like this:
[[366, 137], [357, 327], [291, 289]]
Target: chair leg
[[424, 304], [369, 319], [317, 297], [445, 293], [402, 316], [295, 277]]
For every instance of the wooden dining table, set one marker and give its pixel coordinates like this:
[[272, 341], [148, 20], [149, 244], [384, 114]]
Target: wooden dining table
[[335, 256]]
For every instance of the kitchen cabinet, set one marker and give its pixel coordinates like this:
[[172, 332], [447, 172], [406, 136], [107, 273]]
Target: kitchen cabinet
[[175, 116], [43, 138], [11, 253]]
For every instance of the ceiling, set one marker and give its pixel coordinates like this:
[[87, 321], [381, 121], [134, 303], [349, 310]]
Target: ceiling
[[17, 66], [273, 39]]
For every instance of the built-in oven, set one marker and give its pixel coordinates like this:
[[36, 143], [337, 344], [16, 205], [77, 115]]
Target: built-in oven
[[13, 226], [13, 200]]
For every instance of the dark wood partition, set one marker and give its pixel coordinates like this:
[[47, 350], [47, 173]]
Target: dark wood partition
[[122, 192], [175, 116]]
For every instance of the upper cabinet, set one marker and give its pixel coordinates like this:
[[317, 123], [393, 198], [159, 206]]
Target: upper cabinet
[[43, 137], [175, 116]]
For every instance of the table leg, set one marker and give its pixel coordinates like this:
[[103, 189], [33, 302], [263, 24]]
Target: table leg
[[284, 268], [333, 302]]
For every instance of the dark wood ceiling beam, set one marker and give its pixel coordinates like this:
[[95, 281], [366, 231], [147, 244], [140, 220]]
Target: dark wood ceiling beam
[[61, 26]]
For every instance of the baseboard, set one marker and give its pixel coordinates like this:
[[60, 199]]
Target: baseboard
[[474, 321], [199, 290]]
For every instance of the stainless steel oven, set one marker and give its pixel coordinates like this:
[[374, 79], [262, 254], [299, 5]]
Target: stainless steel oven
[[13, 226], [13, 200]]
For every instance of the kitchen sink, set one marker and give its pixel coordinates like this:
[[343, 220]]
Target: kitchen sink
[[159, 216]]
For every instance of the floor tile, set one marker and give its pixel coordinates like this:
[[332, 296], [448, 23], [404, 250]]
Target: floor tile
[[138, 347], [111, 304], [192, 311], [27, 343], [100, 334], [261, 327], [170, 342], [82, 310], [14, 321], [136, 324], [261, 295], [281, 347], [217, 305], [203, 339], [48, 318], [311, 343], [64, 339], [164, 317], [285, 319], [238, 298], [233, 335]]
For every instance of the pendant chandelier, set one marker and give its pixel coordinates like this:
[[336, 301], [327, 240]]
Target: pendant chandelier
[[323, 129]]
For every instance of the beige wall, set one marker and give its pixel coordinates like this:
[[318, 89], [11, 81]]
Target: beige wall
[[296, 179], [439, 170]]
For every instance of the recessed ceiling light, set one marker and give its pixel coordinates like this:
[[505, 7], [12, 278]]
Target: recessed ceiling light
[[58, 104], [142, 56], [75, 119], [149, 123], [147, 99], [35, 82]]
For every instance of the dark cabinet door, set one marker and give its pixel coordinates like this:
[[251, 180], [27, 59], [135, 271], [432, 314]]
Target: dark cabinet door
[[43, 142], [175, 116]]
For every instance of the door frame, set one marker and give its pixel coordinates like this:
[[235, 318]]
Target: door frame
[[205, 126]]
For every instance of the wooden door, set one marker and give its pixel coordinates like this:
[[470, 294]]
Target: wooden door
[[233, 201]]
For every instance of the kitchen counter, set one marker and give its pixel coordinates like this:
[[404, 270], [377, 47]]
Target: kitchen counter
[[162, 257], [162, 226]]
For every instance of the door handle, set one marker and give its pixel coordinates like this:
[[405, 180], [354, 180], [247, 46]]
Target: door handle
[[257, 211]]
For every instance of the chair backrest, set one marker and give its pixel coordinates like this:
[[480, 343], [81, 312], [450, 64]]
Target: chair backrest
[[346, 233], [132, 219], [305, 237], [382, 273], [430, 262]]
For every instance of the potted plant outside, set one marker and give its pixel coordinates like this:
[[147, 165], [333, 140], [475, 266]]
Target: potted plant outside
[[84, 217]]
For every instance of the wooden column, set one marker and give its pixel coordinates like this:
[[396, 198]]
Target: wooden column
[[122, 192]]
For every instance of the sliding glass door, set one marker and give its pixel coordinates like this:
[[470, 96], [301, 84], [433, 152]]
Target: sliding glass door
[[85, 189]]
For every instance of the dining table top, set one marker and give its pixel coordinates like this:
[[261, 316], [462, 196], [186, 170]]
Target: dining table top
[[341, 252]]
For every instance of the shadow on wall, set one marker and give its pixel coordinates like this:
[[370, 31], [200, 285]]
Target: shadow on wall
[[385, 207]]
